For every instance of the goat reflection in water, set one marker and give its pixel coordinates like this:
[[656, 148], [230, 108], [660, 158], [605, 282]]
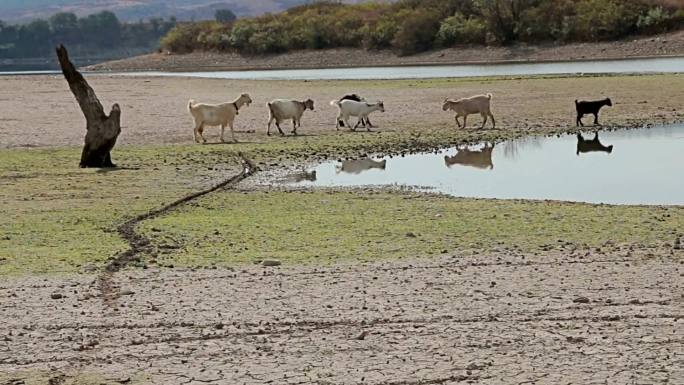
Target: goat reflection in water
[[357, 166], [593, 145], [301, 176], [479, 159]]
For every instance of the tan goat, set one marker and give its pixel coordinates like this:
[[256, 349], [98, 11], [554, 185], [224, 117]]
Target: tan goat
[[216, 115], [479, 104]]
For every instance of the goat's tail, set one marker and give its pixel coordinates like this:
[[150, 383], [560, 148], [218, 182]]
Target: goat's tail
[[335, 103], [576, 102], [191, 102], [489, 96]]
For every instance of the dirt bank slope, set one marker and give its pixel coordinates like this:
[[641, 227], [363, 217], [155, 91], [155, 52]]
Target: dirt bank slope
[[671, 44]]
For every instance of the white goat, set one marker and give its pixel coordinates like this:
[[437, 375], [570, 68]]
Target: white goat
[[216, 115], [282, 109], [353, 108], [479, 104]]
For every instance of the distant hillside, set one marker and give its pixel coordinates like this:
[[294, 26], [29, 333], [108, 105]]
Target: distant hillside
[[134, 10]]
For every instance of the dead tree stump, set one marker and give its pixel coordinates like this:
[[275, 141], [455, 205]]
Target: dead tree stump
[[102, 130]]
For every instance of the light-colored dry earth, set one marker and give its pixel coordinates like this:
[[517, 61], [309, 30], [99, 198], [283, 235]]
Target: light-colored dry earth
[[571, 317], [671, 44], [40, 111]]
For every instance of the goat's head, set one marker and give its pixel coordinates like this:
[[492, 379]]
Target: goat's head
[[308, 103], [447, 104], [381, 105], [246, 99], [608, 102]]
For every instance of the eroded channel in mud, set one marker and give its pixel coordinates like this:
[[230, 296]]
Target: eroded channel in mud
[[639, 166]]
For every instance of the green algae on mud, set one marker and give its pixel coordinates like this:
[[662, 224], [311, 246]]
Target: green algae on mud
[[327, 226], [61, 219], [58, 218]]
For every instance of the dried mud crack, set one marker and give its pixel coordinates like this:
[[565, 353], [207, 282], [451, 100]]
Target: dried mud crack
[[437, 321]]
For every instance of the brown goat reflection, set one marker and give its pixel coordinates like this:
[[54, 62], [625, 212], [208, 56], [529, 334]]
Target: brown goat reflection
[[478, 159], [594, 145], [357, 166]]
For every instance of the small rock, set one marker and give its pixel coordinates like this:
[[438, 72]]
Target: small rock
[[127, 292], [271, 263], [411, 235], [581, 300], [361, 336], [56, 296]]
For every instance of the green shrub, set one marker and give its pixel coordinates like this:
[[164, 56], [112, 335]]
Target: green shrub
[[417, 32], [604, 19], [410, 26], [458, 29], [183, 38]]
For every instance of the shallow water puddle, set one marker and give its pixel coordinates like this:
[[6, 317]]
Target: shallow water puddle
[[641, 166]]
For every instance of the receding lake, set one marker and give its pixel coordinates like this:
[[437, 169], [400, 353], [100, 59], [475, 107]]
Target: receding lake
[[639, 166], [654, 65], [642, 66]]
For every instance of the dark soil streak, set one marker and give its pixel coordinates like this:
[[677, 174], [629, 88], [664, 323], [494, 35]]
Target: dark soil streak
[[139, 243]]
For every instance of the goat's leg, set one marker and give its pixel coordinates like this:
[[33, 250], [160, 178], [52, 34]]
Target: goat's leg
[[223, 128], [268, 130], [465, 117], [232, 132], [295, 124], [457, 122], [596, 122], [484, 122], [338, 122], [579, 120], [277, 122], [369, 122], [194, 133], [363, 120], [200, 130], [493, 121]]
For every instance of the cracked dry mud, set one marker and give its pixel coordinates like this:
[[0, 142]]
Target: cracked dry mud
[[581, 318]]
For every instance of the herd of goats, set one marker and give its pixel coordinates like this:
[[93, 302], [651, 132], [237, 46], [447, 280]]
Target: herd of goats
[[281, 110]]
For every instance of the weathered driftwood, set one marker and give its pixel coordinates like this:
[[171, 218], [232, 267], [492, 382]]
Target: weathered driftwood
[[102, 130]]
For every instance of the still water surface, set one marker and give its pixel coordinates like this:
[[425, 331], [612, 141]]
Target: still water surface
[[653, 65], [642, 166]]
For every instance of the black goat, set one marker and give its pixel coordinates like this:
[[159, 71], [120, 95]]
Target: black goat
[[586, 108], [355, 98]]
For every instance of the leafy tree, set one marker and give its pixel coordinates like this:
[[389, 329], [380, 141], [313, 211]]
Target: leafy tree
[[64, 26], [224, 16], [102, 29]]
